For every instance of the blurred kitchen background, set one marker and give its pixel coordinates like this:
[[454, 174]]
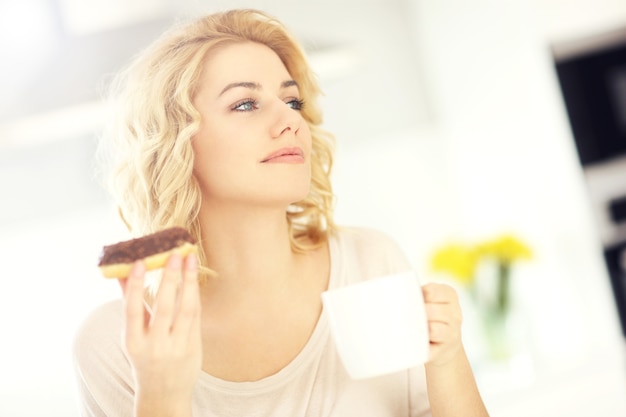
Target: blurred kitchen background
[[455, 120]]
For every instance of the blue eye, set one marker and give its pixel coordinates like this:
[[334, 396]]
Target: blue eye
[[246, 105], [296, 104]]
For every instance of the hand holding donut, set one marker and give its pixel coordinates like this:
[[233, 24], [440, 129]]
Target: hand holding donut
[[164, 346]]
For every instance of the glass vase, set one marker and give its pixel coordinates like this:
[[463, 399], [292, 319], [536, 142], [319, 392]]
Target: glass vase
[[494, 304]]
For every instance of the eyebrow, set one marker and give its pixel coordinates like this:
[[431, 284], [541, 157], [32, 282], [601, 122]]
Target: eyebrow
[[256, 86]]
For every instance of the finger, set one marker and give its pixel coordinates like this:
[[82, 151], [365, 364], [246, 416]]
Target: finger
[[134, 299], [165, 304], [438, 332], [438, 293], [439, 312], [189, 301], [434, 352]]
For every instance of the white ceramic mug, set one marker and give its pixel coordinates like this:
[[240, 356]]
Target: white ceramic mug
[[379, 325]]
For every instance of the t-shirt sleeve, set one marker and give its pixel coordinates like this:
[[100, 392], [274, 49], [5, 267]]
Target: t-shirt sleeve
[[103, 374], [376, 253]]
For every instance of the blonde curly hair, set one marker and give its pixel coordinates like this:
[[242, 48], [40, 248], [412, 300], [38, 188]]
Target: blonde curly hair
[[151, 174]]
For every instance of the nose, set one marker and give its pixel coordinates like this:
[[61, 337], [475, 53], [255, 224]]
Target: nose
[[287, 120]]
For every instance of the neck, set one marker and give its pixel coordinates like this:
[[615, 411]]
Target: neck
[[247, 246]]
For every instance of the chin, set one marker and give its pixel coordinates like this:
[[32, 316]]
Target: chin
[[292, 195]]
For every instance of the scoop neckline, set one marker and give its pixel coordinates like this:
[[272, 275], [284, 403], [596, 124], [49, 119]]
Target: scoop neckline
[[319, 335]]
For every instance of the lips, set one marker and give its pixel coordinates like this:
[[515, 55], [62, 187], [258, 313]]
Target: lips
[[285, 155]]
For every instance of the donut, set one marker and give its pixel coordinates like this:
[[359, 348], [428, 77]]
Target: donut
[[116, 260]]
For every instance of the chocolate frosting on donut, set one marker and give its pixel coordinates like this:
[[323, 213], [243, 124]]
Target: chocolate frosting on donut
[[132, 250]]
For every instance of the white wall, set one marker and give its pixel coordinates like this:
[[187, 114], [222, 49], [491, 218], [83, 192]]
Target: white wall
[[50, 284]]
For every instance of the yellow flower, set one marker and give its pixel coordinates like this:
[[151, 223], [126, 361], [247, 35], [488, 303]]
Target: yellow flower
[[492, 301], [457, 260], [461, 260], [506, 248]]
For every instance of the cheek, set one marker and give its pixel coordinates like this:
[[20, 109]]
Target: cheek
[[206, 156], [210, 145], [209, 160], [305, 136], [221, 163]]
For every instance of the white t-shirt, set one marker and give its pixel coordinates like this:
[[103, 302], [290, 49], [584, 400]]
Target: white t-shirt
[[313, 384]]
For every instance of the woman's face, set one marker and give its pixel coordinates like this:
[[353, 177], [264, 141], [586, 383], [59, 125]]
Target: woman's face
[[253, 146]]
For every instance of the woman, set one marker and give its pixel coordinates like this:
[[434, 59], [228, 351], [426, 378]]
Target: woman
[[220, 133]]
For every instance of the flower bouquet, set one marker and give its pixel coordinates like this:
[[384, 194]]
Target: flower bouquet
[[484, 270]]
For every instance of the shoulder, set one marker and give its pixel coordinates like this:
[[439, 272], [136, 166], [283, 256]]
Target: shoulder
[[365, 237], [103, 373], [98, 338], [368, 242], [375, 252], [102, 319]]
